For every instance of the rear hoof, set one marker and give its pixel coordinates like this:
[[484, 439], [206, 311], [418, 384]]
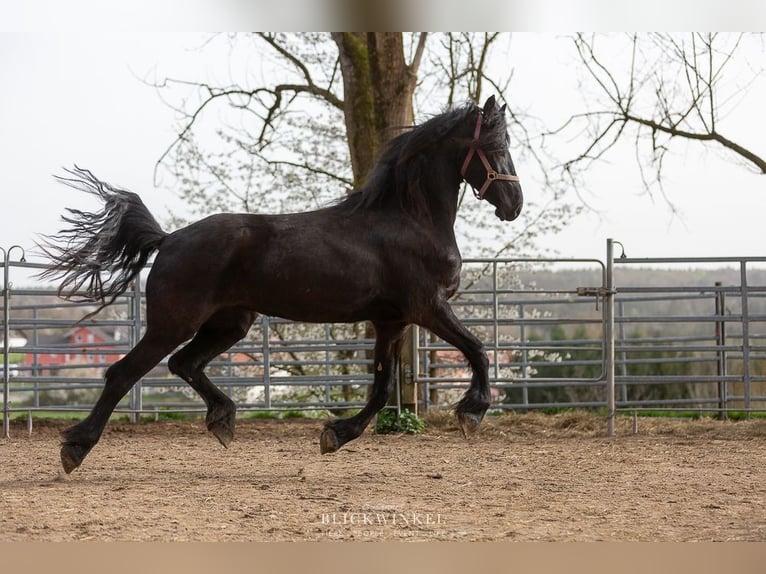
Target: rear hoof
[[223, 431], [224, 435], [222, 426], [469, 423], [72, 456], [328, 442]]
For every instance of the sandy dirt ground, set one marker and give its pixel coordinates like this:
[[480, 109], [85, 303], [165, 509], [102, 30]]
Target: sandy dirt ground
[[523, 477]]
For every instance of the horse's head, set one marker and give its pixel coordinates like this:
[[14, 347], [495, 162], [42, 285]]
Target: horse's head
[[488, 166]]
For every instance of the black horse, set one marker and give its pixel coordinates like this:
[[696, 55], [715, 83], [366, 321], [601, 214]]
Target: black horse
[[387, 253]]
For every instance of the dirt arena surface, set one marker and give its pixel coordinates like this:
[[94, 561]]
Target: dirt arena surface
[[523, 477]]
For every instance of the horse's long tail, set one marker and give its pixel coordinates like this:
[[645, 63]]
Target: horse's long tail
[[100, 254]]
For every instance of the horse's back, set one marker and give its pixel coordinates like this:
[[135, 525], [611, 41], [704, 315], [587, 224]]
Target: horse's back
[[302, 266]]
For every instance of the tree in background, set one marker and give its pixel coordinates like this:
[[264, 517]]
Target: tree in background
[[303, 121]]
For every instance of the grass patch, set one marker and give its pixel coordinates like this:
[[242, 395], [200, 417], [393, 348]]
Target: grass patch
[[742, 415], [408, 422], [163, 416]]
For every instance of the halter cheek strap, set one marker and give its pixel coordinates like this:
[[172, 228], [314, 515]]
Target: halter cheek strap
[[492, 175]]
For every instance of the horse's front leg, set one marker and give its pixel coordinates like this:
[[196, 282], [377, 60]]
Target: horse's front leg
[[476, 400], [388, 346]]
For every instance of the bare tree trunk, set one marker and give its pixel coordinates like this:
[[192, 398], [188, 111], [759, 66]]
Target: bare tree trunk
[[378, 85], [359, 107], [393, 84]]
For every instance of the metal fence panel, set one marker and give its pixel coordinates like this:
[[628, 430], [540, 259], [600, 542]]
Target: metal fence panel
[[550, 345]]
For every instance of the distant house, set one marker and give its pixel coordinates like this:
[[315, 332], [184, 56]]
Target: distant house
[[83, 345]]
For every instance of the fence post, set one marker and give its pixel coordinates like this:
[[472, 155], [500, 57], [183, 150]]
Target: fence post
[[7, 337], [265, 342], [609, 337], [720, 341]]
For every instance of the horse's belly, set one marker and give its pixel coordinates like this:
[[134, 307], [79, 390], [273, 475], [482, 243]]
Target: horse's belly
[[309, 305]]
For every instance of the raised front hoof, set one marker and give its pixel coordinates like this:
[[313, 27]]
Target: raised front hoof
[[328, 442], [469, 422], [72, 456]]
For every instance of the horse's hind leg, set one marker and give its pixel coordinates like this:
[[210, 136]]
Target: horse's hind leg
[[118, 380], [216, 335]]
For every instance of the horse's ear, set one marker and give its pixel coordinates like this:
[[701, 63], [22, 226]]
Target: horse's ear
[[489, 106], [502, 110]]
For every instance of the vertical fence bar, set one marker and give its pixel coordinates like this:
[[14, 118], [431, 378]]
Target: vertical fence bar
[[36, 369], [416, 369], [609, 337], [524, 356], [136, 394], [623, 354], [266, 362], [720, 341], [327, 369], [428, 370], [495, 318], [6, 350], [745, 335]]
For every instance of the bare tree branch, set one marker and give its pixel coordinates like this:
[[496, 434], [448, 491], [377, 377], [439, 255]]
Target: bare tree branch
[[310, 86], [269, 98], [414, 66], [674, 90]]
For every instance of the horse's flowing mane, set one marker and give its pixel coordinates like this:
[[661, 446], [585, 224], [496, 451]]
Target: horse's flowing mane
[[395, 181]]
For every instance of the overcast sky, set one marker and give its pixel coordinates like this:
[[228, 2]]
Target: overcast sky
[[77, 98]]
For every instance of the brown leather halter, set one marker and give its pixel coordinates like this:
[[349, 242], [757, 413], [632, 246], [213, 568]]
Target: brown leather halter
[[492, 175]]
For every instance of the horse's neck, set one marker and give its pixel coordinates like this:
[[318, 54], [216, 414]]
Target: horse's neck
[[443, 198]]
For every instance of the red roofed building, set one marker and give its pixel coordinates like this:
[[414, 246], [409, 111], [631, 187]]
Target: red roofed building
[[83, 345]]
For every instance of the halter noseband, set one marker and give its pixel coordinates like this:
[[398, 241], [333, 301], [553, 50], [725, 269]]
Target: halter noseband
[[492, 175]]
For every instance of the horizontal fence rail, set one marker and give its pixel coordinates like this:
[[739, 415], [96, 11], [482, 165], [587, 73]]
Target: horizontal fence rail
[[606, 340]]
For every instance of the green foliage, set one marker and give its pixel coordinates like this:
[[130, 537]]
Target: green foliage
[[581, 363], [164, 416], [744, 415], [262, 415], [408, 422]]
